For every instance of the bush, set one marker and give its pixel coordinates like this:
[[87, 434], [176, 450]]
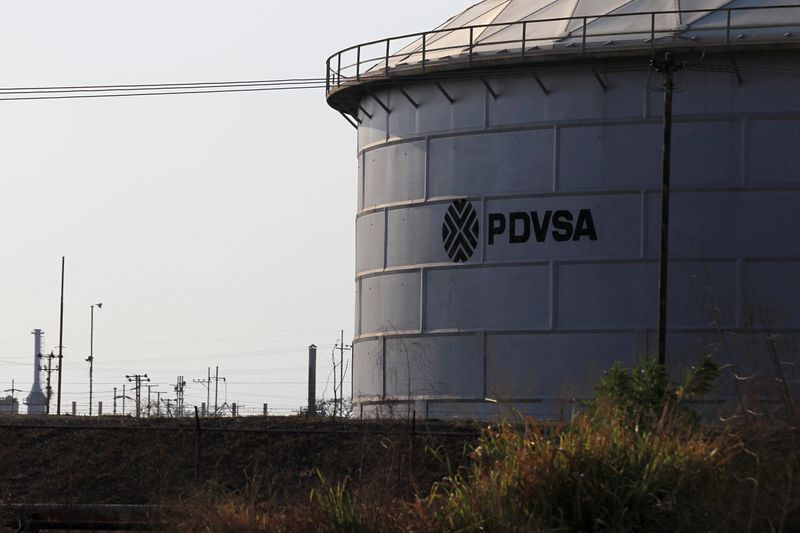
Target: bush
[[638, 460], [641, 397]]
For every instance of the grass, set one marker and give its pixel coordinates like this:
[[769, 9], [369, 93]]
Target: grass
[[637, 460]]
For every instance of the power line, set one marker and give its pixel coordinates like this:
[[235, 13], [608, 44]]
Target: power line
[[163, 93], [71, 88], [193, 341], [61, 92]]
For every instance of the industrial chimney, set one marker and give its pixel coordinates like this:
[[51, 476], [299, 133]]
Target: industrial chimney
[[36, 401]]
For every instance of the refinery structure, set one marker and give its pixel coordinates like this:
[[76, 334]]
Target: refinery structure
[[36, 400], [510, 170]]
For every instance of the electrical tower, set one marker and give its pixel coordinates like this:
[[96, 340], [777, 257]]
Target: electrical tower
[[137, 379], [49, 369], [216, 389], [123, 396], [207, 384], [13, 390], [342, 347], [179, 395]]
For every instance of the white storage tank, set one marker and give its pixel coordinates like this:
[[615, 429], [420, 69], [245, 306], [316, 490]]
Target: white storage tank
[[509, 201]]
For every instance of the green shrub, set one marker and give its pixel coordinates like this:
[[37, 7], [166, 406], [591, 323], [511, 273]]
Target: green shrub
[[641, 397], [584, 477], [636, 462]]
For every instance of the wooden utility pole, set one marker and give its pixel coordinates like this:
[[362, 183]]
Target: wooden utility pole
[[49, 369], [137, 380], [216, 389], [342, 348], [668, 68], [207, 384], [60, 339]]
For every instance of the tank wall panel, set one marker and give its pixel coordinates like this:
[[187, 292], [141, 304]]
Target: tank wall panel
[[552, 365], [404, 245], [727, 224], [748, 368], [606, 295], [360, 185], [498, 298], [404, 118], [370, 230], [440, 366], [514, 162], [371, 130], [707, 154], [390, 303], [702, 295], [714, 93], [773, 155], [771, 292], [436, 114], [394, 173], [573, 96], [368, 365], [609, 157], [357, 318]]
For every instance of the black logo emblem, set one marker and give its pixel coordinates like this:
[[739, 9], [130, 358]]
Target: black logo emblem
[[460, 231]]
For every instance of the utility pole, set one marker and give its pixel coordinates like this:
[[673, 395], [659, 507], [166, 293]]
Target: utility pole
[[13, 390], [342, 348], [158, 404], [179, 395], [137, 380], [60, 339], [90, 359], [216, 389], [207, 384], [148, 400], [123, 397], [668, 68], [49, 369]]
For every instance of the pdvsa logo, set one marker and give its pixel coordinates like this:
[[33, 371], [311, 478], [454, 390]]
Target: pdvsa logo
[[461, 228], [460, 231]]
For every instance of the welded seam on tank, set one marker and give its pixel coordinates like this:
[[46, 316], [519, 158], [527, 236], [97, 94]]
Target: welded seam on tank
[[438, 200], [577, 123], [556, 158], [643, 229], [546, 331], [552, 295], [676, 259], [744, 160]]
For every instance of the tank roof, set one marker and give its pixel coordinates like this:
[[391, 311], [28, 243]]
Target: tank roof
[[498, 24], [496, 33]]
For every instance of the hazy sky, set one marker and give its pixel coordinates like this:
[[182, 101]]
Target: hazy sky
[[216, 229]]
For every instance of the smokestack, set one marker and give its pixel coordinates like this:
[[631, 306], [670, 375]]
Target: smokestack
[[312, 380], [36, 401]]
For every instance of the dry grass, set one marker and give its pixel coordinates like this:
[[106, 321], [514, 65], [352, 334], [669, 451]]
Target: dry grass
[[639, 460]]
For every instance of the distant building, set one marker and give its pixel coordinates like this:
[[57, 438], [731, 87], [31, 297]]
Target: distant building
[[9, 406]]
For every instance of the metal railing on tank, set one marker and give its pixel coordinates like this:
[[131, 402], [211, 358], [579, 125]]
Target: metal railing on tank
[[465, 46]]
